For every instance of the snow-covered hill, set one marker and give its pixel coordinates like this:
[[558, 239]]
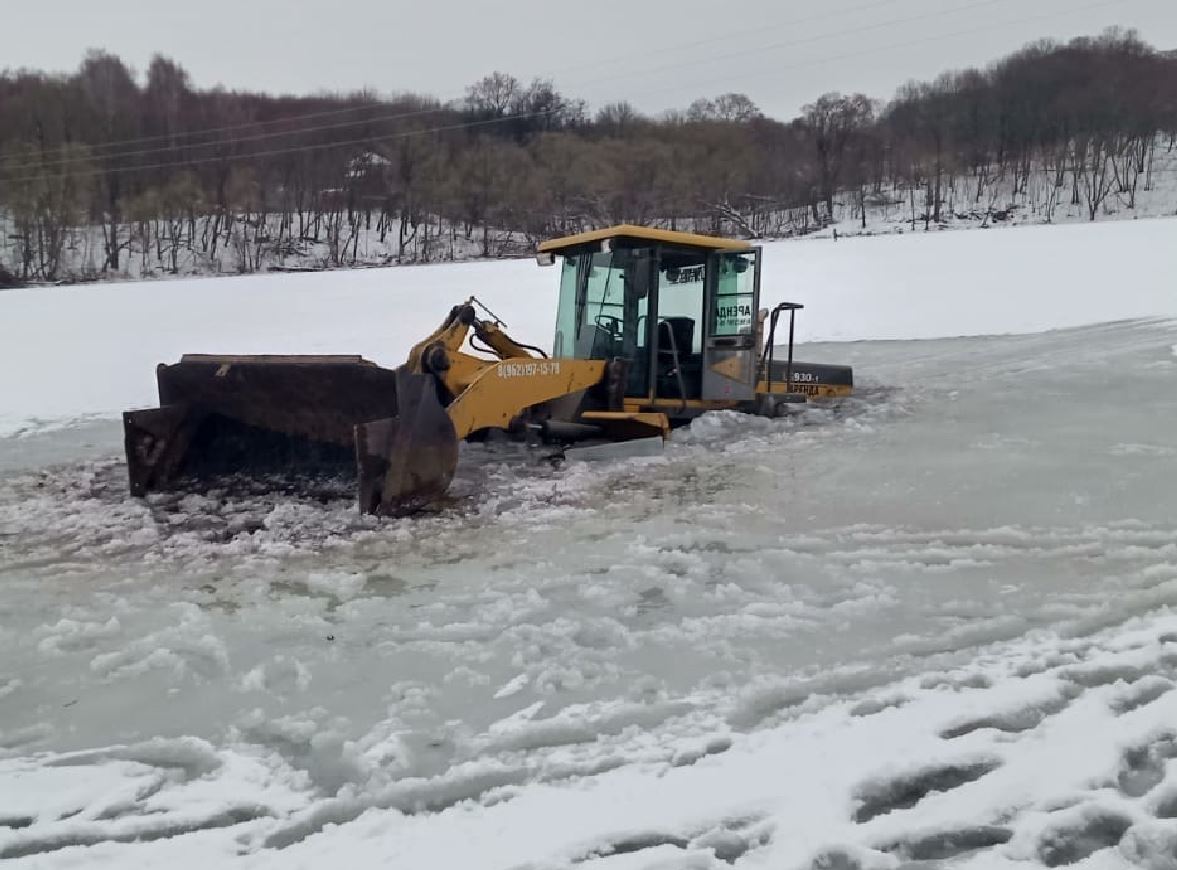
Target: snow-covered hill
[[988, 198]]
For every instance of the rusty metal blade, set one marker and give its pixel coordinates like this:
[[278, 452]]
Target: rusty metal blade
[[298, 416], [291, 416], [156, 440], [319, 398], [407, 461]]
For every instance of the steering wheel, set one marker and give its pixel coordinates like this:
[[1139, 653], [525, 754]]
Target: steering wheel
[[609, 323]]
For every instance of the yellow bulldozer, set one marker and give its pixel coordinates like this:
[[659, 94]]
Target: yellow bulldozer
[[653, 328]]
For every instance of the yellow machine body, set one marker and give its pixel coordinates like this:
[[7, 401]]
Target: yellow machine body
[[654, 327]]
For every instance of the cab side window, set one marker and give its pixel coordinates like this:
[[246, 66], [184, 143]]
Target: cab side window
[[735, 295]]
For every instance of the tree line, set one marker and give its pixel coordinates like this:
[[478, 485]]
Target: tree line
[[155, 169]]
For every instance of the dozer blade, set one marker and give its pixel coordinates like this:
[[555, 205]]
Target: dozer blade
[[407, 461], [288, 416]]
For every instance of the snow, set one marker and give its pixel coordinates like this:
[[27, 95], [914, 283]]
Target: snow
[[911, 777], [1003, 201], [85, 248], [931, 624], [89, 352]]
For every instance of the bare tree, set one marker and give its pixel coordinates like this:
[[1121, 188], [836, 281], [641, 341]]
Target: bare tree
[[47, 197], [1096, 174], [731, 107], [618, 119], [113, 95], [492, 95], [832, 122]]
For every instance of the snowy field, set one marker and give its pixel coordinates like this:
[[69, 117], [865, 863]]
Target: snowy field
[[928, 625], [90, 351]]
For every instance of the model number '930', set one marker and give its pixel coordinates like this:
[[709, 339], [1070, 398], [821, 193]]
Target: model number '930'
[[528, 370]]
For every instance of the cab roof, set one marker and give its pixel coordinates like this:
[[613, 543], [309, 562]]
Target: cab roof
[[634, 233]]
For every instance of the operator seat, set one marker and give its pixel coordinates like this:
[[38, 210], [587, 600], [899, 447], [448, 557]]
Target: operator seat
[[677, 368]]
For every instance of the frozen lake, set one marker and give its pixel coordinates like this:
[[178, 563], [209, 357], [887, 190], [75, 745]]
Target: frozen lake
[[928, 624]]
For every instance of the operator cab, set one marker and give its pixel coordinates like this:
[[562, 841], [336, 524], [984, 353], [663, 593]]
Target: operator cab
[[678, 308]]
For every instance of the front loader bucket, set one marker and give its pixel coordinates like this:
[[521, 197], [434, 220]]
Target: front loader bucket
[[295, 417], [404, 462], [287, 416]]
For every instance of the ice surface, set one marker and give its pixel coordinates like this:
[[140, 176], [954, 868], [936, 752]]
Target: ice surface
[[929, 624]]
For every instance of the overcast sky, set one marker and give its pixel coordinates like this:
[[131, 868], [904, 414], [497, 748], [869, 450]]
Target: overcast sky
[[656, 53]]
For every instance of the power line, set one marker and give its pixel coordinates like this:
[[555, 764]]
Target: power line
[[139, 140], [895, 45], [808, 40], [68, 160], [732, 35], [507, 119], [65, 161], [294, 150]]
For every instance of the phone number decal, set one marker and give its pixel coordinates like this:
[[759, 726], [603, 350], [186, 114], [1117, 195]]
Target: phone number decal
[[528, 370]]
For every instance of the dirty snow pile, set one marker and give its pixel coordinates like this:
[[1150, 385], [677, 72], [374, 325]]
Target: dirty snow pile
[[928, 624]]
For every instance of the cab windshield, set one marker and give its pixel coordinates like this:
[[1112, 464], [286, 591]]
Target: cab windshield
[[604, 309]]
